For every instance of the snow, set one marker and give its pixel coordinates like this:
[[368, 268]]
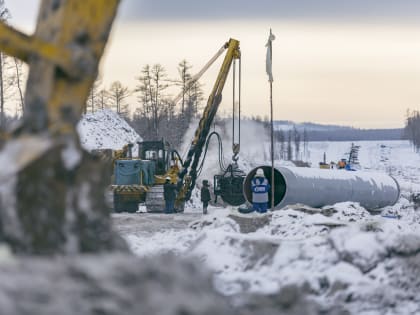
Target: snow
[[6, 255], [340, 254], [16, 154], [71, 155], [105, 129]]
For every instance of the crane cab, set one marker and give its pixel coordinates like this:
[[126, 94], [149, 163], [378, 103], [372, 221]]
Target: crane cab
[[156, 151]]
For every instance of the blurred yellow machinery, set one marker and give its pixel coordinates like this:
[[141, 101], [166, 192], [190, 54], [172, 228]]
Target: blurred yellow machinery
[[54, 201], [63, 57]]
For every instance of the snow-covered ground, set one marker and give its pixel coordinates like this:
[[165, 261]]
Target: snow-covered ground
[[339, 255]]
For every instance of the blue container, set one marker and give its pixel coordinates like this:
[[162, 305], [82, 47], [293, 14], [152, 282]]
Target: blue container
[[134, 172], [127, 172], [147, 172]]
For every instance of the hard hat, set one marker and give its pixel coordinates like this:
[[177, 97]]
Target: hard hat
[[259, 172], [167, 178]]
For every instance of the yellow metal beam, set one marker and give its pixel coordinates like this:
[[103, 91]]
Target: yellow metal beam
[[233, 52], [44, 196], [21, 46], [190, 164], [63, 57]]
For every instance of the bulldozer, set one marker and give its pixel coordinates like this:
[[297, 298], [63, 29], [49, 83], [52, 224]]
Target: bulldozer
[[140, 180]]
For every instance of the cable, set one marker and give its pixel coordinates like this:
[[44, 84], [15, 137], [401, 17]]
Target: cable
[[236, 146], [221, 157], [178, 155], [233, 103]]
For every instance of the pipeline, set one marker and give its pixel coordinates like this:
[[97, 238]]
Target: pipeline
[[318, 187]]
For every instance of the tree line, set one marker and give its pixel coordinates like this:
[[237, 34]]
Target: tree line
[[289, 144], [156, 114], [412, 128]]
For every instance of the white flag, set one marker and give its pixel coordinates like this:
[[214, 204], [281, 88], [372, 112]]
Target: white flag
[[269, 59]]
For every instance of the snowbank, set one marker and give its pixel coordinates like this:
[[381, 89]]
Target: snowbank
[[111, 283], [339, 255], [105, 129]]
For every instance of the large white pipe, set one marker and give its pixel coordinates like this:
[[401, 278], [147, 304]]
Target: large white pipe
[[320, 187]]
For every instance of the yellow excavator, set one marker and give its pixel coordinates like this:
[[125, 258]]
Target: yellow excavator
[[141, 179]]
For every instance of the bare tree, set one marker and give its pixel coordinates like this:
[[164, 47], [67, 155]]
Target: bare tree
[[195, 98], [18, 81], [296, 138], [157, 116], [289, 146], [4, 15], [158, 77], [280, 138], [153, 102], [185, 75], [11, 77], [93, 100], [142, 114], [412, 128], [305, 143], [118, 94], [103, 99]]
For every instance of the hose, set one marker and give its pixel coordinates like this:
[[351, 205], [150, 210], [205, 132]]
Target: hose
[[221, 157]]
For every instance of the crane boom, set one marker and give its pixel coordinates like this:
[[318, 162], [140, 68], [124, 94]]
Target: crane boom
[[190, 83], [188, 174]]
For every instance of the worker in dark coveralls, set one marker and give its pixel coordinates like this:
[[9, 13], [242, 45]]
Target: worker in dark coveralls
[[260, 188], [169, 194], [205, 195]]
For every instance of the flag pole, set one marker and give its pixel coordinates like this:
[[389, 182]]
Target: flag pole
[[269, 64], [272, 146]]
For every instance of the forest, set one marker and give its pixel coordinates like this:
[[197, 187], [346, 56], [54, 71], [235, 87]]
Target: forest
[[412, 128]]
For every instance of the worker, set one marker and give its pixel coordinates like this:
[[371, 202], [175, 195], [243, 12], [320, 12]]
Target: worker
[[205, 195], [342, 164], [169, 194], [260, 188]]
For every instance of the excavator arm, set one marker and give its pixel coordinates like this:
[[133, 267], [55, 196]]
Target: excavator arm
[[188, 175]]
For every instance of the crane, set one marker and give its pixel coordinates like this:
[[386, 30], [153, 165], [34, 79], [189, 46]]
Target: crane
[[142, 179], [188, 174]]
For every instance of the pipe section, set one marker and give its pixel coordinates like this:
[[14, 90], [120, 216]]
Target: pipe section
[[319, 187]]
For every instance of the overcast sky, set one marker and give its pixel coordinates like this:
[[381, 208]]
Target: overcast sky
[[338, 62], [278, 9]]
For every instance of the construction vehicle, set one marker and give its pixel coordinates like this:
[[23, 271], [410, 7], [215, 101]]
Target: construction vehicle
[[324, 165], [136, 179], [141, 179], [349, 163]]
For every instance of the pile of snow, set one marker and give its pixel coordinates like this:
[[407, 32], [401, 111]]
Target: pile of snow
[[110, 283], [105, 129], [339, 255]]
